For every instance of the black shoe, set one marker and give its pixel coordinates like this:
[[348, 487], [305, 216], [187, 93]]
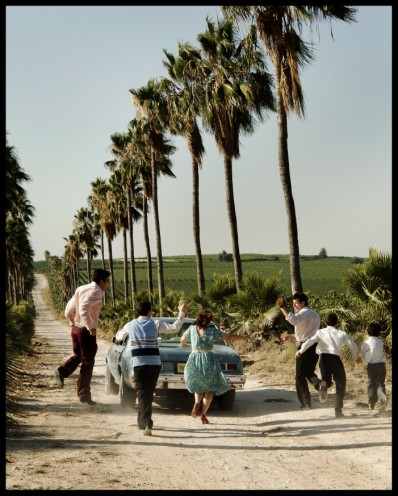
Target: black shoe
[[371, 406], [148, 431], [323, 392], [315, 382], [305, 407], [339, 414], [59, 378], [89, 401]]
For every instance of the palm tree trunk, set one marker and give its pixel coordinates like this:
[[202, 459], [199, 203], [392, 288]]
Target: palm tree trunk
[[148, 248], [111, 271], [196, 229], [158, 237], [126, 269], [77, 271], [284, 172], [88, 266], [102, 249], [229, 188], [131, 238]]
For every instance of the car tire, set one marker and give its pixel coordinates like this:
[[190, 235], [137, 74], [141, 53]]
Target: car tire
[[127, 395], [226, 401], [110, 384]]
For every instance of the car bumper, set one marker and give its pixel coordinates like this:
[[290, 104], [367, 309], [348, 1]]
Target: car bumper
[[176, 381]]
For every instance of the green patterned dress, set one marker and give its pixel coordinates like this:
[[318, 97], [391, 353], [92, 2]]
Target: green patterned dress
[[202, 371]]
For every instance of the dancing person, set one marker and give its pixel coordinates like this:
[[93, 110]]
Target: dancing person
[[372, 351], [328, 342], [143, 334], [82, 311], [202, 373], [306, 322]]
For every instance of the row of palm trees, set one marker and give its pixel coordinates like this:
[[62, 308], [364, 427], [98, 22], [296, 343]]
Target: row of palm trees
[[19, 214], [20, 313], [225, 83]]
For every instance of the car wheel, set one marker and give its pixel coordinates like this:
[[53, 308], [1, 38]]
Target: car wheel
[[127, 395], [110, 385], [226, 401]]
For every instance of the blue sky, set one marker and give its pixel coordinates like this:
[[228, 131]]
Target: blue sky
[[68, 75]]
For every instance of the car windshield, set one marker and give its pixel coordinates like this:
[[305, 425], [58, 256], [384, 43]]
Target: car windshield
[[175, 338]]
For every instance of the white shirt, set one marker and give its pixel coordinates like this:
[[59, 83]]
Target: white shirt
[[162, 327], [331, 340], [306, 322], [84, 307], [372, 350]]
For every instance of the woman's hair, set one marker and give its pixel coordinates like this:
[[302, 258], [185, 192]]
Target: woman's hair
[[204, 318]]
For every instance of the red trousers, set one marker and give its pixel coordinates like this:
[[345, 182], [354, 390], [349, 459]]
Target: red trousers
[[84, 350]]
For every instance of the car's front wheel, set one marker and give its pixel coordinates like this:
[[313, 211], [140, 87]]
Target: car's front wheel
[[110, 384], [127, 395], [226, 401]]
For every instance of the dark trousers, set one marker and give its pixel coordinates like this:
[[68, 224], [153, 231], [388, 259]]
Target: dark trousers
[[146, 377], [376, 380], [305, 370], [84, 350], [332, 368]]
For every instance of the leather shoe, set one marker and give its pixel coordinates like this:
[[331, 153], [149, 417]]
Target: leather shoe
[[89, 401], [59, 379]]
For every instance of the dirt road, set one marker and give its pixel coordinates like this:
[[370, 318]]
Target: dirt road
[[265, 442]]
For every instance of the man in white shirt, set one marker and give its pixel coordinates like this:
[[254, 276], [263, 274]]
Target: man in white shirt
[[330, 341], [306, 322]]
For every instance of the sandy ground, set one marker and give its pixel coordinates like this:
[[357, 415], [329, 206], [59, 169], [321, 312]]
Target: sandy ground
[[264, 443]]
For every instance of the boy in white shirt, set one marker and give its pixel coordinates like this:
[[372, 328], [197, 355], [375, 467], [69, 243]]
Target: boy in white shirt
[[372, 351], [330, 341]]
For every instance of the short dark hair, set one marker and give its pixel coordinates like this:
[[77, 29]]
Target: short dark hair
[[143, 307], [100, 275], [374, 329], [331, 319], [301, 297]]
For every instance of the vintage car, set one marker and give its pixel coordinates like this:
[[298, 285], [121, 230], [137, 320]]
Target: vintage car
[[120, 377]]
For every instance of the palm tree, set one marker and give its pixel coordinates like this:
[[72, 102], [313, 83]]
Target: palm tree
[[232, 88], [280, 29], [103, 202], [16, 201], [19, 257], [72, 255], [95, 199], [118, 196], [127, 161], [87, 232], [152, 109], [371, 282], [19, 214], [142, 155], [183, 114]]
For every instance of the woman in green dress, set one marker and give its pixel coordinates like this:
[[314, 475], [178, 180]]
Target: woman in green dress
[[202, 373]]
